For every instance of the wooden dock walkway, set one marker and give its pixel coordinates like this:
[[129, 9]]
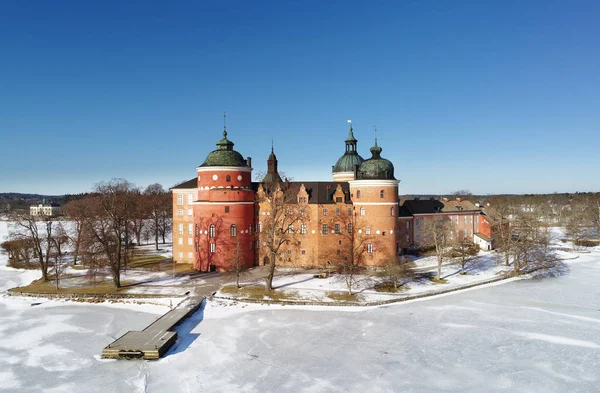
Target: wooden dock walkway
[[155, 340]]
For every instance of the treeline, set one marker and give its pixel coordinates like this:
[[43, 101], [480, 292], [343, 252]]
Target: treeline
[[100, 228]]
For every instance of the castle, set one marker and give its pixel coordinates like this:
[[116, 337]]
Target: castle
[[219, 215]]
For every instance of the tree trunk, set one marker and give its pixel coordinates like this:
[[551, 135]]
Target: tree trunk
[[271, 273]]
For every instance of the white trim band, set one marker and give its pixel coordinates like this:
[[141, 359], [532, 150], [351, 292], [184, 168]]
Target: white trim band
[[223, 169], [376, 203], [373, 183], [223, 203]]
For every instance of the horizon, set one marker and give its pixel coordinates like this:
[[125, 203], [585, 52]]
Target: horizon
[[492, 98]]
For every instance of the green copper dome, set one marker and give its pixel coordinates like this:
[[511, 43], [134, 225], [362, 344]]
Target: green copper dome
[[376, 168], [350, 159], [224, 155]]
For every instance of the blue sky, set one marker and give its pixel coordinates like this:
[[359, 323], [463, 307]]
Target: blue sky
[[487, 96]]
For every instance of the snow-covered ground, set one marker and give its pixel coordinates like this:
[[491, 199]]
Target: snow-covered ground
[[302, 286], [522, 336]]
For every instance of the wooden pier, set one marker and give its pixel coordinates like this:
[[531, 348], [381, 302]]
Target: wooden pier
[[155, 340]]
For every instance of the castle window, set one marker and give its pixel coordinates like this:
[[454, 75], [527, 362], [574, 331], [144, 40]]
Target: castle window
[[180, 212], [367, 231], [197, 230], [251, 245], [381, 194], [357, 194], [291, 228], [180, 229], [349, 211], [226, 209], [190, 199], [336, 229], [337, 212], [303, 229], [325, 229], [408, 238], [233, 231], [407, 224], [212, 231], [180, 241], [303, 252], [227, 178], [362, 211], [370, 248], [391, 211], [417, 222], [190, 229], [213, 247], [302, 212], [325, 212], [350, 228], [250, 229], [382, 233], [190, 241], [302, 200], [338, 199], [339, 251], [180, 199]]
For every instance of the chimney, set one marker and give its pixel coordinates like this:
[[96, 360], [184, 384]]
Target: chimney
[[477, 204], [457, 199], [487, 204], [249, 162], [445, 199]]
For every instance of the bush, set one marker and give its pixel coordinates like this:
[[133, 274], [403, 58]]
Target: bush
[[587, 243]]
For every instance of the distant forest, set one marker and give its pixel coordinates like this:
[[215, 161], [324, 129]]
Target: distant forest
[[14, 202]]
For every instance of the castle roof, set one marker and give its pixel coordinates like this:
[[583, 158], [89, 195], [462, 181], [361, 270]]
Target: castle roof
[[224, 155], [376, 168]]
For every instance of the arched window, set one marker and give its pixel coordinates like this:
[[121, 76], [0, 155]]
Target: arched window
[[227, 178], [233, 231], [212, 231], [197, 230], [381, 194], [357, 194]]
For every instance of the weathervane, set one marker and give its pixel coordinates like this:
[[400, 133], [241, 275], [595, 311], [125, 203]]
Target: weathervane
[[350, 122], [375, 131]]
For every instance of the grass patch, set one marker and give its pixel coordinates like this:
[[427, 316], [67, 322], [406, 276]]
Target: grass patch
[[389, 287], [344, 296], [103, 288], [256, 292], [439, 280]]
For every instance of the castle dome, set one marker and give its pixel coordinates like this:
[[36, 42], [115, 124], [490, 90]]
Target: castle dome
[[224, 155], [376, 168], [351, 158]]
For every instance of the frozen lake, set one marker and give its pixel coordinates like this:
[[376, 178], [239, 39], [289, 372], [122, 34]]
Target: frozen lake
[[523, 336]]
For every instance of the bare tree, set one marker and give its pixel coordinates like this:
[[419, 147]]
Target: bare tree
[[211, 238], [398, 269], [108, 224], [77, 211], [463, 251], [278, 202], [37, 231], [502, 238], [436, 233], [159, 206], [238, 260], [356, 246]]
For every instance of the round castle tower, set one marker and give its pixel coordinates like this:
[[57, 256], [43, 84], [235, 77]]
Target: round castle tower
[[374, 194], [224, 211]]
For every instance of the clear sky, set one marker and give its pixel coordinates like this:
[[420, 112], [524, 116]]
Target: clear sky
[[493, 97]]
